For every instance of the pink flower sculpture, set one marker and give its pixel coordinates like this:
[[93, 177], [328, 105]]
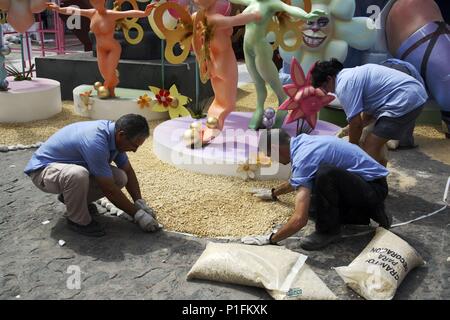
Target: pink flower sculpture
[[304, 100]]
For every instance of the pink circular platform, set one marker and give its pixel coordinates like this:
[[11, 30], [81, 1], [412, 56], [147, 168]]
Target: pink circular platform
[[227, 152], [31, 100]]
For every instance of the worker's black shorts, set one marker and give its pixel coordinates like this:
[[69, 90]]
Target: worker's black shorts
[[394, 128]]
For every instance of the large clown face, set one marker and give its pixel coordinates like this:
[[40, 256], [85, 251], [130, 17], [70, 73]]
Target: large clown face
[[316, 34], [330, 36]]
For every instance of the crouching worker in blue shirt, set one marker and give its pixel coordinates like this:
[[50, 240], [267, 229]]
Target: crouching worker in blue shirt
[[370, 93], [349, 186], [75, 163]]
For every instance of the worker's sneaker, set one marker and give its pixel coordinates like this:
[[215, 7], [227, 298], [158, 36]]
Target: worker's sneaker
[[317, 241], [93, 229], [379, 215]]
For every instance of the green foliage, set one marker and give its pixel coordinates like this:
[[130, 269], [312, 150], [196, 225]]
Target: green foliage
[[19, 75]]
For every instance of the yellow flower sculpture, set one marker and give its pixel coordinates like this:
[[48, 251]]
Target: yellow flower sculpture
[[171, 101], [144, 101]]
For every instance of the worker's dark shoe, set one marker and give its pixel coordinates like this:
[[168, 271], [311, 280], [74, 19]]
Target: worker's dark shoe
[[93, 229], [446, 123], [379, 215], [317, 241], [93, 211]]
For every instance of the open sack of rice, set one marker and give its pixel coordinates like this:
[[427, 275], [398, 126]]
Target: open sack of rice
[[283, 273], [381, 267]]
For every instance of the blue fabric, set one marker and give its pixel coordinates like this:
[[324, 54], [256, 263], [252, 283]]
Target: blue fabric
[[285, 74], [309, 152], [378, 91], [90, 144], [412, 70]]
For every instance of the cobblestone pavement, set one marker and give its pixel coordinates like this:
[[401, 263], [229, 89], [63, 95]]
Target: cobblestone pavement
[[129, 264]]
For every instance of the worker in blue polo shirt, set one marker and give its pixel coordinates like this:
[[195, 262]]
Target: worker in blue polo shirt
[[374, 93], [349, 187], [75, 163]]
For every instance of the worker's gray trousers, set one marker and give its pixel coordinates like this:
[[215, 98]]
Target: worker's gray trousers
[[76, 185]]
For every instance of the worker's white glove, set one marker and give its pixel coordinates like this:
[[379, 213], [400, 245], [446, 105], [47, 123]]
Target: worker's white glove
[[146, 221], [264, 194], [141, 204], [258, 240]]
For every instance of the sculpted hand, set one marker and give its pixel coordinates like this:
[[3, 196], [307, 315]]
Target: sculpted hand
[[313, 15], [257, 15], [52, 6], [149, 8]]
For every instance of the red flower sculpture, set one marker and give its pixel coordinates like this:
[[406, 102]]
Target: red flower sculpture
[[164, 97], [304, 100]]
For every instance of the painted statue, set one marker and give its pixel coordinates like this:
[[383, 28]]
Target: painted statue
[[258, 53], [210, 36], [103, 25], [330, 35], [21, 12], [416, 32]]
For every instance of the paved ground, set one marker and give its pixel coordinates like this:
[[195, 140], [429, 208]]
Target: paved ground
[[130, 264]]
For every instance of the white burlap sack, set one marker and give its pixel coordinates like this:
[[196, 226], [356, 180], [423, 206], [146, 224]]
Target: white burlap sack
[[283, 273], [381, 267]]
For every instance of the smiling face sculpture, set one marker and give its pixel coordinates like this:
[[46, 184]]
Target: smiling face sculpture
[[21, 12], [331, 35]]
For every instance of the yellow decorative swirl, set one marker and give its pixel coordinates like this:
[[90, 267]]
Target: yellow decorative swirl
[[128, 24], [3, 17], [283, 25], [203, 34], [182, 33]]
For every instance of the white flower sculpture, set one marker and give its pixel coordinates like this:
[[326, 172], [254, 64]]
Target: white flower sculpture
[[331, 35], [248, 169]]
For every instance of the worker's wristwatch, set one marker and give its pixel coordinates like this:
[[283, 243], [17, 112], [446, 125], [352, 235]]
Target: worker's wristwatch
[[274, 197], [270, 238]]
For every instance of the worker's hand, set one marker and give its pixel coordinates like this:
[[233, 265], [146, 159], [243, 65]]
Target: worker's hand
[[146, 221], [141, 204], [257, 240], [264, 194]]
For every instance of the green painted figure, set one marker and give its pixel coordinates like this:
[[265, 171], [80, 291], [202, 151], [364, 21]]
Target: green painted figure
[[258, 53]]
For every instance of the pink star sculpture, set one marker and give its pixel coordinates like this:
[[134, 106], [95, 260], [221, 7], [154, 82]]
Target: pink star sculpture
[[304, 100]]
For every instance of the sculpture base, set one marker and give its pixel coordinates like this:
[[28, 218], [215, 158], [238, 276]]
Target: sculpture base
[[32, 100], [72, 70], [113, 108], [228, 152]]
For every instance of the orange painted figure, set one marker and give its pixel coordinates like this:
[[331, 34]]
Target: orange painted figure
[[103, 25], [21, 12], [218, 61]]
